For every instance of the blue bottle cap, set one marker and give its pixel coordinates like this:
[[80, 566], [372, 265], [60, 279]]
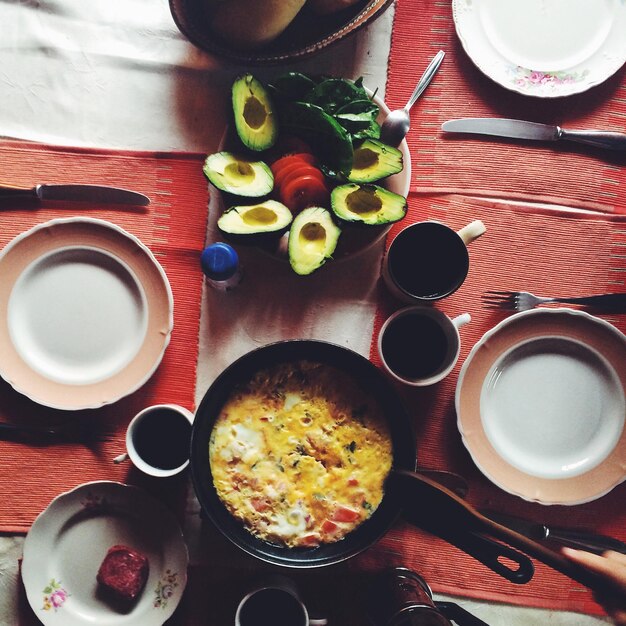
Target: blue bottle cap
[[219, 261]]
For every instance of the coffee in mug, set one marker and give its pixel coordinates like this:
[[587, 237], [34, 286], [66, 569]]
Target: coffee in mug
[[420, 345], [158, 440], [274, 602], [428, 260]]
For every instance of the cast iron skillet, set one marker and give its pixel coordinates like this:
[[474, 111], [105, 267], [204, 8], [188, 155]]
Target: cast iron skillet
[[424, 502]]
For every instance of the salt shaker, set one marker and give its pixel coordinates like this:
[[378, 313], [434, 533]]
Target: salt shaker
[[221, 266]]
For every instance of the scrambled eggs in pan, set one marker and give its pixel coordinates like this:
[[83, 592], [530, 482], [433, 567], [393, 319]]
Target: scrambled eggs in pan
[[300, 454]]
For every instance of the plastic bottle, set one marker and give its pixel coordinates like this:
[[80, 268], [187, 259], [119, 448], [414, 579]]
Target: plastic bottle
[[221, 267]]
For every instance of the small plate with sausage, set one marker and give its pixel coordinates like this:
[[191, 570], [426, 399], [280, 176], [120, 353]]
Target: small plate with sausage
[[104, 552]]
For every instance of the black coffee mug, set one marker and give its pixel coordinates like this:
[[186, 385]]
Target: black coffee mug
[[274, 601], [428, 260]]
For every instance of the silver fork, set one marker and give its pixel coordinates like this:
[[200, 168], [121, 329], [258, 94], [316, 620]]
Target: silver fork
[[523, 301]]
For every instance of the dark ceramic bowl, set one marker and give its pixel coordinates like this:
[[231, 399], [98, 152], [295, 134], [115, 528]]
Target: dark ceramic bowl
[[305, 36]]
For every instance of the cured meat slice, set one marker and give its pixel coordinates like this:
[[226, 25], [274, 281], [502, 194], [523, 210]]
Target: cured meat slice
[[123, 573]]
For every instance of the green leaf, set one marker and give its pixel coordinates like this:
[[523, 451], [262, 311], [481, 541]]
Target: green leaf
[[292, 86], [334, 93], [330, 141]]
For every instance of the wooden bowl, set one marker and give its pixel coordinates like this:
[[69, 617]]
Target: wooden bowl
[[306, 35]]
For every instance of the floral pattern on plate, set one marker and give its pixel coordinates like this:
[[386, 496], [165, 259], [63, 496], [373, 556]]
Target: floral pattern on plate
[[529, 80], [543, 48], [165, 589], [54, 596]]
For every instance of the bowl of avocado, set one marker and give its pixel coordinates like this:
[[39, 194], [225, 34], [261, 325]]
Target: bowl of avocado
[[302, 173]]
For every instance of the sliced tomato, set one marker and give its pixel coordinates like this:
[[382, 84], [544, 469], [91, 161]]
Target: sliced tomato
[[329, 527], [352, 482], [290, 172], [303, 192], [307, 157], [289, 161], [345, 514]]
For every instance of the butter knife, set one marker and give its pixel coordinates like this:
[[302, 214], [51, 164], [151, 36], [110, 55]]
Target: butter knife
[[74, 193], [580, 539], [520, 129]]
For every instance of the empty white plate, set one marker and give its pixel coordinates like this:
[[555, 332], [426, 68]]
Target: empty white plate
[[545, 48], [86, 313], [552, 407], [541, 404]]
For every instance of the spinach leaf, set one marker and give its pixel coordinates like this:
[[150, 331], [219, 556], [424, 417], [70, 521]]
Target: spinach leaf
[[334, 93], [329, 140], [292, 86]]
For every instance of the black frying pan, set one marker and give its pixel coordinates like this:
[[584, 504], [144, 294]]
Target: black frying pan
[[424, 502]]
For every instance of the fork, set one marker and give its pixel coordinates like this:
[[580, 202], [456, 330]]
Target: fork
[[523, 301]]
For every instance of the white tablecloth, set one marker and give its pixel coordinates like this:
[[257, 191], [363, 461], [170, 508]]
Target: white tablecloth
[[118, 74]]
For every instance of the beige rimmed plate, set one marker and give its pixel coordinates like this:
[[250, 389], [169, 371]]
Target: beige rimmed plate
[[541, 406], [544, 48], [86, 312], [68, 541]]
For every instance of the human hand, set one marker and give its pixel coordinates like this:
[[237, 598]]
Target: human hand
[[610, 566]]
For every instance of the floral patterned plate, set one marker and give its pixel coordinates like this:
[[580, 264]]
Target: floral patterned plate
[[544, 48], [68, 541]]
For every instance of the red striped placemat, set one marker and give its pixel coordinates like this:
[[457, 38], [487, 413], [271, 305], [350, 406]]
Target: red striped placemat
[[560, 173], [545, 252], [174, 228]]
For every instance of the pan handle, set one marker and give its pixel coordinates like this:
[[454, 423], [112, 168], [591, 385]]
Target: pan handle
[[438, 521], [431, 506], [490, 553]]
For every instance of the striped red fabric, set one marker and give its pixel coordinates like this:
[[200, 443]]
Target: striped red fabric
[[174, 228], [525, 248], [560, 173]]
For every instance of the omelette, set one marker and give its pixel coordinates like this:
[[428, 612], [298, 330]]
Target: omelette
[[300, 453]]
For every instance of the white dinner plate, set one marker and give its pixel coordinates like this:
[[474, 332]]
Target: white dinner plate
[[86, 313], [541, 406], [66, 544], [545, 48]]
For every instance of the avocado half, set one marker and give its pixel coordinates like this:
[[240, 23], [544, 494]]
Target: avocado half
[[374, 160], [253, 111], [237, 175], [253, 221], [367, 204], [312, 239]]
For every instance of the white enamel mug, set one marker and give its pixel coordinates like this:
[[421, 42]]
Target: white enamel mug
[[158, 440], [419, 345]]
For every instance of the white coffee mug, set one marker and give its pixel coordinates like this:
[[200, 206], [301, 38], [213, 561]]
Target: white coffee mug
[[419, 345], [275, 601], [158, 440]]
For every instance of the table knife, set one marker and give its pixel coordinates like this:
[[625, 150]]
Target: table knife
[[580, 539], [74, 193], [519, 129]]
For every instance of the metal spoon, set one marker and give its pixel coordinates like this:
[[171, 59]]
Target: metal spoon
[[397, 123]]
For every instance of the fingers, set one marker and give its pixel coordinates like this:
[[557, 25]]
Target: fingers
[[610, 565]]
